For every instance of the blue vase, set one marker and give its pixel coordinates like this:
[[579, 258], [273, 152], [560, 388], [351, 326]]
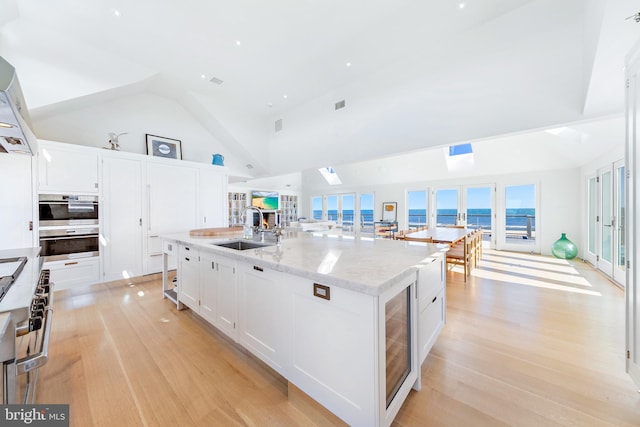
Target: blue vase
[[564, 248]]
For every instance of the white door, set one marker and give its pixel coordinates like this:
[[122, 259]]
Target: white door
[[632, 225], [619, 259], [478, 208], [121, 239], [16, 202], [593, 220], [605, 258]]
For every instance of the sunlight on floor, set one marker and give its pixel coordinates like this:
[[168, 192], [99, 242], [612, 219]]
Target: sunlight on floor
[[532, 270]]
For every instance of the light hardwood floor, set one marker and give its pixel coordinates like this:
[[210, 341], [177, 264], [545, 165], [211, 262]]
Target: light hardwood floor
[[529, 341]]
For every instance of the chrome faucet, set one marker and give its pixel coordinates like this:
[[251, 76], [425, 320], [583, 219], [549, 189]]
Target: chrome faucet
[[260, 225]]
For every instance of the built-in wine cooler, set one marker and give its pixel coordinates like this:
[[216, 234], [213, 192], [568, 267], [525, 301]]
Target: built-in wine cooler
[[398, 342]]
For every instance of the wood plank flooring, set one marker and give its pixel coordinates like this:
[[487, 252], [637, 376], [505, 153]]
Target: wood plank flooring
[[529, 341]]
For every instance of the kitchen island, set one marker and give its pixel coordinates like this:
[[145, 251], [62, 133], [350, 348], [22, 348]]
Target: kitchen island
[[346, 320]]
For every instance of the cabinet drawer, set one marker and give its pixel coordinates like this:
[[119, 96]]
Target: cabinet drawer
[[430, 282], [430, 322], [71, 273]]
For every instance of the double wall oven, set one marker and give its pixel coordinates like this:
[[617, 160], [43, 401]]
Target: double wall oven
[[69, 226]]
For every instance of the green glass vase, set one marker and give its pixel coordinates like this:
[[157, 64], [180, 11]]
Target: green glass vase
[[564, 248]]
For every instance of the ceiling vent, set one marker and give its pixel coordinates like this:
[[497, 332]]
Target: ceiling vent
[[216, 80], [340, 104], [278, 125]]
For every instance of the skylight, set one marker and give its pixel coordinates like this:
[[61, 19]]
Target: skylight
[[459, 157], [330, 175]]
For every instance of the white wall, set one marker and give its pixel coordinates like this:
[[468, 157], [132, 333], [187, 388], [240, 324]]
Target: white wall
[[559, 198], [137, 114]]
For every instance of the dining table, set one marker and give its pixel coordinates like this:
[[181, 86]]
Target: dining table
[[449, 235]]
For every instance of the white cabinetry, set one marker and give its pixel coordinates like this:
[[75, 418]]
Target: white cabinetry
[[213, 188], [189, 277], [121, 246], [16, 202], [67, 169], [262, 319], [431, 305], [332, 346], [172, 206], [66, 274], [207, 285]]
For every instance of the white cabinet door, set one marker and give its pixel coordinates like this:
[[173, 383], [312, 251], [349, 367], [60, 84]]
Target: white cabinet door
[[188, 277], [261, 320], [121, 241], [208, 287], [67, 169], [16, 202], [332, 346], [431, 305], [213, 197], [227, 298], [172, 206]]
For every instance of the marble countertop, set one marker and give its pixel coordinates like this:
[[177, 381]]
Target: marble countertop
[[365, 265], [21, 291]]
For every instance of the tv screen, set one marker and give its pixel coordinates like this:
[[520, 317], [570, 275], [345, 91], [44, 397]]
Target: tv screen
[[264, 199]]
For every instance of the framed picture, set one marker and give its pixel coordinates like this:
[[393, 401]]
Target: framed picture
[[160, 146], [389, 211]]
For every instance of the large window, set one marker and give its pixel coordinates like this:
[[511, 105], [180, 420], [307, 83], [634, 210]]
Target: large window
[[447, 207], [416, 208], [520, 214], [316, 207], [366, 212]]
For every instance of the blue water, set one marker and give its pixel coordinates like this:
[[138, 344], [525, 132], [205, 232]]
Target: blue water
[[517, 219]]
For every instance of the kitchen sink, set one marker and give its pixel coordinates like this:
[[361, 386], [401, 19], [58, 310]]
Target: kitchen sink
[[241, 245]]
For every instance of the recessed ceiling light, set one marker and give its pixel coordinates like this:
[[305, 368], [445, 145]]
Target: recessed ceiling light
[[238, 43], [269, 104], [203, 76], [461, 5], [348, 64], [116, 12], [285, 96]]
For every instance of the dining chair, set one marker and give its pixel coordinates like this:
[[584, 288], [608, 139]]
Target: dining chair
[[418, 239], [461, 255], [454, 226]]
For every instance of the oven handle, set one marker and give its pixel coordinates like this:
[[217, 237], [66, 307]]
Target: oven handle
[[36, 360], [74, 236]]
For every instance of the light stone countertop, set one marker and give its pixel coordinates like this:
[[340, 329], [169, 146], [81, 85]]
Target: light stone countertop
[[365, 265]]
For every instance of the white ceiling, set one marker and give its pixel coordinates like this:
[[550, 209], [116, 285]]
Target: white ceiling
[[422, 73]]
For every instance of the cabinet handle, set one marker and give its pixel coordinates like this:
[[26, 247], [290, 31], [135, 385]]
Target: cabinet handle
[[187, 259], [434, 299], [186, 248], [258, 268], [71, 263]]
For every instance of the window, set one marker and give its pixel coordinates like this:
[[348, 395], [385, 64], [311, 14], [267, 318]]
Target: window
[[316, 207], [520, 214], [366, 213], [416, 208]]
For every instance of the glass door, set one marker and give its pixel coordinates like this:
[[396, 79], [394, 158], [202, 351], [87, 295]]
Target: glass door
[[341, 209], [592, 220], [605, 262], [447, 204], [519, 230], [366, 213], [416, 209], [317, 210], [478, 208], [619, 270]]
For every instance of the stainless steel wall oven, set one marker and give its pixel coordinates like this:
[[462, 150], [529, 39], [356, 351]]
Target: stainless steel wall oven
[[68, 226]]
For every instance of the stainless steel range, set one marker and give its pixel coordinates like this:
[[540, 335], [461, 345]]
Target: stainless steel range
[[26, 313]]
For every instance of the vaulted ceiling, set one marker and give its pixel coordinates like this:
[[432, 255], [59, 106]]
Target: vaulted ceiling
[[413, 74]]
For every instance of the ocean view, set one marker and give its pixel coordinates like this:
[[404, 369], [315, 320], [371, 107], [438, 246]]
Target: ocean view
[[517, 219]]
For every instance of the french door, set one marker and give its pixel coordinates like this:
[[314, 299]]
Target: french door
[[341, 209], [606, 221], [470, 205]]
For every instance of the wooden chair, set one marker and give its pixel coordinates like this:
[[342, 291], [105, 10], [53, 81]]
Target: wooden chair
[[460, 254], [455, 226], [400, 235], [478, 245]]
